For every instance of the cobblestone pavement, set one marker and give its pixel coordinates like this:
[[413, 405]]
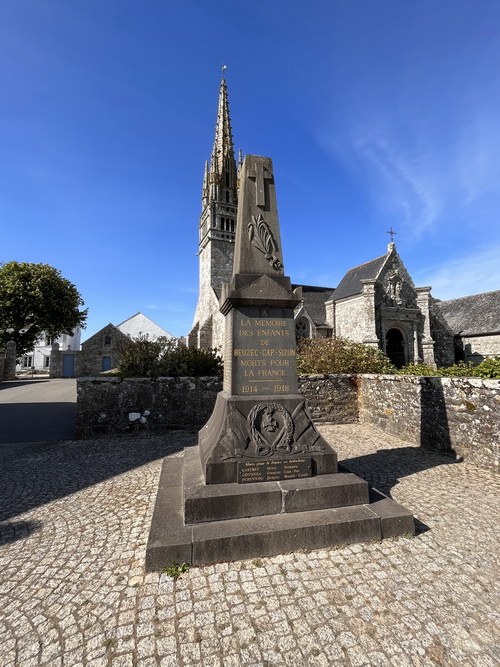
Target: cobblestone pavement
[[74, 520]]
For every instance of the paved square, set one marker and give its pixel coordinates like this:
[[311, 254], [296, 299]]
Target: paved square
[[74, 520]]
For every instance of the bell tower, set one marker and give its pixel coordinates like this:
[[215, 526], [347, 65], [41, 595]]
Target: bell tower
[[216, 230]]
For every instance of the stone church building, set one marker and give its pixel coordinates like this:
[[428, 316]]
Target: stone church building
[[375, 303]]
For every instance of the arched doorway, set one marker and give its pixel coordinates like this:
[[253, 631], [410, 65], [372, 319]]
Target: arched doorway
[[395, 347]]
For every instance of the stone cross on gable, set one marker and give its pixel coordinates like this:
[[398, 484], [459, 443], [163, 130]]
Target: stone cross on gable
[[260, 175], [392, 233]]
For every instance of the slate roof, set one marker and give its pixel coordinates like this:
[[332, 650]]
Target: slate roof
[[314, 301], [478, 314], [351, 282]]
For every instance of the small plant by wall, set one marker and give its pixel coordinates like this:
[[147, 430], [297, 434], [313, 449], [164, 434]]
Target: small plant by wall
[[489, 368]]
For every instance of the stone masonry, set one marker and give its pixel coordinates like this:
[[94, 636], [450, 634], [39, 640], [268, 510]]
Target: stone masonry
[[9, 364], [461, 415]]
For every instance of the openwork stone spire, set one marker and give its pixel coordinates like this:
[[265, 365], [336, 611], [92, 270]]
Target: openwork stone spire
[[223, 145]]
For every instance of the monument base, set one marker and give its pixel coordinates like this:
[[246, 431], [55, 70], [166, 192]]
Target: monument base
[[200, 523], [235, 434]]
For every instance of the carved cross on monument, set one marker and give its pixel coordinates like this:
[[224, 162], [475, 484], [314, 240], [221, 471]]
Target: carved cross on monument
[[260, 175]]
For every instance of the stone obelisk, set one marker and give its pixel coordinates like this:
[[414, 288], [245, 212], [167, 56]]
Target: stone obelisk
[[262, 481], [261, 429]]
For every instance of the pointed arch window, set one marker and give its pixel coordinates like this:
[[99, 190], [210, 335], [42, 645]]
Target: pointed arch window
[[302, 328]]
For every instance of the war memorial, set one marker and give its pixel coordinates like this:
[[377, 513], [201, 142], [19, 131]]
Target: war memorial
[[262, 480]]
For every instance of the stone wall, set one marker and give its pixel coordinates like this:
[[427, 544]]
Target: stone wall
[[353, 319], [331, 398], [458, 415], [9, 364], [478, 348], [110, 406]]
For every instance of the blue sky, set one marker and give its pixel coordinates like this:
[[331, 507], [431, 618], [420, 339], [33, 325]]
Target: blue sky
[[377, 113]]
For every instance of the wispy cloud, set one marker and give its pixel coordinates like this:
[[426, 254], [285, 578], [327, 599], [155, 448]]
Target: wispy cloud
[[467, 274], [398, 181], [423, 174]]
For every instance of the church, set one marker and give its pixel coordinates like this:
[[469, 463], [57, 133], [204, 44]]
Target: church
[[376, 303]]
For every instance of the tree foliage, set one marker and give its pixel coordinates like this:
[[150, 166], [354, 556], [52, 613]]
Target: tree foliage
[[163, 357], [36, 299]]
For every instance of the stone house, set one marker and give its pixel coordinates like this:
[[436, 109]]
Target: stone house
[[102, 351]]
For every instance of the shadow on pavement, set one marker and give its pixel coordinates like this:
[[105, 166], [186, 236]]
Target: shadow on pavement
[[40, 473], [17, 530], [383, 469], [37, 422]]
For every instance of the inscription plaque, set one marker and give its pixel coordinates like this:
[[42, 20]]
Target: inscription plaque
[[262, 355], [273, 471]]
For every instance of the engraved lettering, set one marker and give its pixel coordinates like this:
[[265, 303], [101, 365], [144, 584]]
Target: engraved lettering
[[269, 374], [259, 362]]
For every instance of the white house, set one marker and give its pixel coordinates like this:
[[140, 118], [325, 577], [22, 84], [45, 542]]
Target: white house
[[39, 357]]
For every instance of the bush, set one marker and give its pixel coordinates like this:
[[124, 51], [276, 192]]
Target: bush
[[166, 358], [489, 368], [338, 355], [418, 369]]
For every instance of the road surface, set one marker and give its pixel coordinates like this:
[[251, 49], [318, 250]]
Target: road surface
[[37, 410]]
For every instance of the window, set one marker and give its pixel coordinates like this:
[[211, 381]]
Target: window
[[107, 340], [221, 223], [49, 340], [301, 328], [46, 362], [28, 361], [227, 197]]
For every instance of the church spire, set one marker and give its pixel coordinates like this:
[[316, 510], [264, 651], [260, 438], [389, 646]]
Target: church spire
[[217, 229], [223, 145]]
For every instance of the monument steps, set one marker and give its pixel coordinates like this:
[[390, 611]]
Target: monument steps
[[218, 540]]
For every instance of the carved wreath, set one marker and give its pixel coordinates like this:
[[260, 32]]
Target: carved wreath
[[282, 444], [262, 238]]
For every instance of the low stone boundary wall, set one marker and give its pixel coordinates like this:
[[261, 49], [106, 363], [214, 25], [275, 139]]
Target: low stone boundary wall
[[112, 406], [331, 398], [109, 406], [460, 415]]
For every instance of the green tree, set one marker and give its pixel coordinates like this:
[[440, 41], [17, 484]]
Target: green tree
[[36, 299]]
